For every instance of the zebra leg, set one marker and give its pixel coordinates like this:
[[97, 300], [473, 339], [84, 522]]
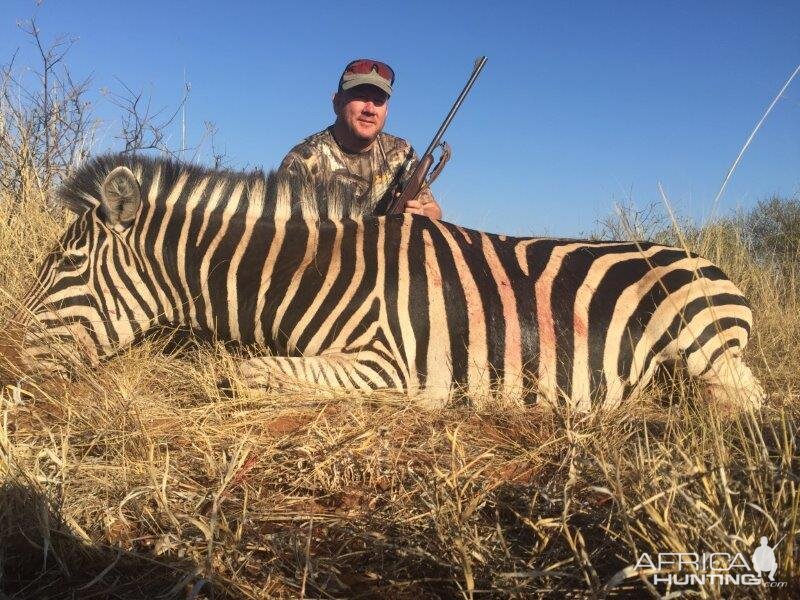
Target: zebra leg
[[361, 369], [731, 384]]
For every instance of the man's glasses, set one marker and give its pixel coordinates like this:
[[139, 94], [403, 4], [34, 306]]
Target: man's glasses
[[365, 66]]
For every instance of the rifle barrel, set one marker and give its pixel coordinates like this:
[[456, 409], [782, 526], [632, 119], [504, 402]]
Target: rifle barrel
[[412, 187], [479, 64]]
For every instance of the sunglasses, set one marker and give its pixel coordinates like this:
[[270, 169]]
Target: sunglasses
[[365, 66]]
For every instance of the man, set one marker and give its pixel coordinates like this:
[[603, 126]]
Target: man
[[353, 156]]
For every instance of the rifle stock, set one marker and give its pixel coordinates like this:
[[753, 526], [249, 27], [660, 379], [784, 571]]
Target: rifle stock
[[412, 186]]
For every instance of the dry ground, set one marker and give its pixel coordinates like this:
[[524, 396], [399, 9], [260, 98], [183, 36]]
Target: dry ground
[[141, 480]]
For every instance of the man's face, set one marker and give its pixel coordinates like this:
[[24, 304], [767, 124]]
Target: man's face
[[363, 110]]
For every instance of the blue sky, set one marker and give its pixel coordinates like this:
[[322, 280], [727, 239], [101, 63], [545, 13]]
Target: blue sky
[[580, 106]]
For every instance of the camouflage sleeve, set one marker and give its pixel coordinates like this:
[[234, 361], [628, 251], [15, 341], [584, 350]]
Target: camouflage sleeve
[[293, 166], [294, 173]]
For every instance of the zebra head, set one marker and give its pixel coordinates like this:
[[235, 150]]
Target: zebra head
[[88, 301]]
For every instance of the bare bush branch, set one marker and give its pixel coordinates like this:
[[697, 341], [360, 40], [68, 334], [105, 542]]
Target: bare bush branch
[[142, 127], [46, 124]]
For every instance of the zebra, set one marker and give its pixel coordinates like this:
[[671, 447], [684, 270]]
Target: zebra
[[346, 301]]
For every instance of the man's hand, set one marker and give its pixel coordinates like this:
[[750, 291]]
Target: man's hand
[[424, 204]]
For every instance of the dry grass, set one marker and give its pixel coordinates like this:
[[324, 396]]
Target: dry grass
[[141, 480]]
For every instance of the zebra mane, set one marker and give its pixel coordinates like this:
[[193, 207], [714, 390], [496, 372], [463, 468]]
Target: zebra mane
[[280, 195]]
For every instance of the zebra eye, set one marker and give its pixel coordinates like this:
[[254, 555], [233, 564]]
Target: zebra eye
[[70, 262]]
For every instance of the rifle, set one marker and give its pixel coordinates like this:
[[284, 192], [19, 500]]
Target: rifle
[[419, 177]]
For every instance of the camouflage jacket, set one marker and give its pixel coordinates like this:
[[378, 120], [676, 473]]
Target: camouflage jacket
[[320, 166]]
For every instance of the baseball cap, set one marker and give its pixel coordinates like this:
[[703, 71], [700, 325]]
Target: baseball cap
[[365, 71]]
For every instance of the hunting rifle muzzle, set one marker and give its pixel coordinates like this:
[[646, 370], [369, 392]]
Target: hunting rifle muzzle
[[419, 178]]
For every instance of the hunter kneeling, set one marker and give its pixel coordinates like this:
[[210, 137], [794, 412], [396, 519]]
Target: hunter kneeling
[[354, 156]]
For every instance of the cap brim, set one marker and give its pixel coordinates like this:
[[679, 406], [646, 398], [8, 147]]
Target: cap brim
[[372, 78]]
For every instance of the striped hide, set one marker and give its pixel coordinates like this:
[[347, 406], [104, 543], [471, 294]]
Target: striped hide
[[346, 302]]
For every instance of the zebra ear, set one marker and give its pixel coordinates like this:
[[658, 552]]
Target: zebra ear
[[121, 197]]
